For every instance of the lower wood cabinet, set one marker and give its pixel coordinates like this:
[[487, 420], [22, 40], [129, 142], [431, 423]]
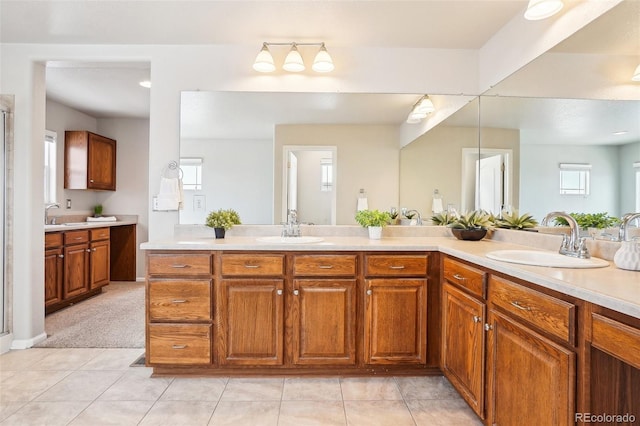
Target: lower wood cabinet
[[53, 269], [179, 344], [76, 264], [99, 258]]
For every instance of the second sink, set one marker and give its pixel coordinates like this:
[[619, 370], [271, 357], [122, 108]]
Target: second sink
[[545, 258]]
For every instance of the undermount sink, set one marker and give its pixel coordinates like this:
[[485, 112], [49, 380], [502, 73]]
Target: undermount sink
[[289, 240], [545, 258]]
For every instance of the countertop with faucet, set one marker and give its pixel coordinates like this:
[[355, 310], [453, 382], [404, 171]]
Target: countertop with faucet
[[79, 222], [610, 286]]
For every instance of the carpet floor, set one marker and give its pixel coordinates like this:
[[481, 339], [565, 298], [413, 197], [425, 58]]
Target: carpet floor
[[113, 319]]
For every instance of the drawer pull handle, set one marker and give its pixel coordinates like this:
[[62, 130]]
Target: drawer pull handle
[[325, 266], [251, 266], [279, 292], [77, 238], [179, 301], [296, 292], [519, 306], [179, 266], [178, 346], [396, 267], [459, 277], [476, 319]]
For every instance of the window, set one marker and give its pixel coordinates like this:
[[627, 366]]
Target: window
[[574, 179], [191, 173], [326, 167], [50, 166]]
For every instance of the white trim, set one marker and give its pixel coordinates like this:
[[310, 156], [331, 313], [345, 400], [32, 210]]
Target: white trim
[[28, 343], [574, 166], [636, 164], [5, 342]]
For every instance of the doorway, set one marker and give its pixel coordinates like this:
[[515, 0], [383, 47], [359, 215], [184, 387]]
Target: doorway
[[487, 179]]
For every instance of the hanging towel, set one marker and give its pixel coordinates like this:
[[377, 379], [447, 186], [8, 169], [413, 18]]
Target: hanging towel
[[436, 205], [180, 195], [362, 204], [169, 196]]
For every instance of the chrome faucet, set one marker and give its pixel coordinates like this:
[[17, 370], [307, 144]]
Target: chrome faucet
[[622, 234], [292, 227], [573, 246], [46, 211]]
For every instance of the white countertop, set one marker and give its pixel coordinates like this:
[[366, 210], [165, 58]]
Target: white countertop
[[609, 287], [86, 225]]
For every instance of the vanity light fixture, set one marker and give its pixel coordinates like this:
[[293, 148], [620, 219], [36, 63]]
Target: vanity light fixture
[[636, 74], [293, 62], [420, 110], [541, 9]]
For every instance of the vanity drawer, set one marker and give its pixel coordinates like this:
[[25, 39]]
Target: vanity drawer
[[252, 264], [179, 264], [99, 234], [465, 276], [76, 237], [52, 239], [549, 314], [395, 265], [179, 344], [324, 265], [616, 338], [179, 300]]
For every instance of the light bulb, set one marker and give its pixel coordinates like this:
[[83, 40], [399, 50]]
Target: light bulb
[[293, 61]]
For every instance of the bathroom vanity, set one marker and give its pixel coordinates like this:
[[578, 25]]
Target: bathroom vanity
[[549, 344]]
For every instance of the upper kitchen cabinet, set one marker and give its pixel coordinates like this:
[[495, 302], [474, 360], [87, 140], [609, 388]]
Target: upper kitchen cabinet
[[89, 161]]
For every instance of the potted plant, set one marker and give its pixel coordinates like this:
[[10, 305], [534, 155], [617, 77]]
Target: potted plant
[[97, 210], [373, 220], [592, 222], [393, 213], [221, 220], [444, 218], [514, 221], [472, 226]]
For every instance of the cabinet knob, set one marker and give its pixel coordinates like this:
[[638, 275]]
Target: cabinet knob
[[61, 256], [488, 327], [296, 292], [476, 318], [279, 292], [369, 292], [88, 250], [91, 180]]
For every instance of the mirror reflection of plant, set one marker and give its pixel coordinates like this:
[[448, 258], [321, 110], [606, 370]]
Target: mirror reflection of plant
[[590, 220], [514, 221], [476, 219], [223, 218], [368, 218], [393, 213], [444, 218]]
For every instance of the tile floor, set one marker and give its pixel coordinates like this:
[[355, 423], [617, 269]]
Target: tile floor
[[98, 387]]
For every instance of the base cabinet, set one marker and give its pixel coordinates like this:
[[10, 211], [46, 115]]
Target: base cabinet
[[76, 265], [99, 258], [53, 269]]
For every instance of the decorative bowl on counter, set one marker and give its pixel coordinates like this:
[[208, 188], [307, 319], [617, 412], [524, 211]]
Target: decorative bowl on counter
[[469, 234]]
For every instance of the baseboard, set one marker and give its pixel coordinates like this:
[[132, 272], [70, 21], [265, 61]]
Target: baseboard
[[140, 279], [5, 342], [28, 343]]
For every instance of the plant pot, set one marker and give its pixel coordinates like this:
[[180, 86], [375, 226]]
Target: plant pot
[[469, 234], [375, 232], [219, 232]]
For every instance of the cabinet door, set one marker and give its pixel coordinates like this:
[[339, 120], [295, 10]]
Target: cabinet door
[[324, 325], [76, 270], [530, 378], [251, 321], [99, 264], [396, 321], [53, 267], [101, 168], [463, 345]]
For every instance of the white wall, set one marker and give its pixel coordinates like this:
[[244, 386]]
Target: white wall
[[314, 205], [627, 155], [236, 174]]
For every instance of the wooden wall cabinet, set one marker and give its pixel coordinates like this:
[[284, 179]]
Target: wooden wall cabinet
[[395, 329], [89, 161]]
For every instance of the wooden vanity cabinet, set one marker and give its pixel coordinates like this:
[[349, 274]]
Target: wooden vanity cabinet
[[53, 268], [250, 308], [323, 309], [99, 258], [179, 309], [463, 336], [89, 161], [76, 263], [395, 326]]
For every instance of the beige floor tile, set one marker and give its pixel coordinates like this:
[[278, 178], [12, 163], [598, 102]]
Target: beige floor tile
[[253, 390], [113, 359], [312, 413], [4, 374], [370, 388], [81, 386], [312, 389], [8, 408], [196, 389], [27, 385], [174, 413], [67, 358], [46, 413], [117, 413], [444, 412], [135, 386], [22, 359], [426, 387], [377, 413], [246, 413]]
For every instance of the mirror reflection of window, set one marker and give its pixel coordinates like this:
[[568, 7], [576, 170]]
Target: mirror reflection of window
[[574, 179], [326, 166], [50, 143], [191, 173]]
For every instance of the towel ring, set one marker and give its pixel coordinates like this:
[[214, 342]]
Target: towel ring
[[172, 170]]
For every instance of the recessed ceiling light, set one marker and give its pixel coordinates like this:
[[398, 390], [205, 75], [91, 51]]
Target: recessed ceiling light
[[621, 132], [145, 83]]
